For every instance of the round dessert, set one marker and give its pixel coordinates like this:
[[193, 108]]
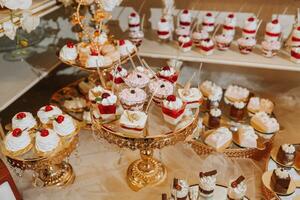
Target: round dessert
[[137, 79], [223, 41], [68, 52], [229, 25], [146, 71], [198, 36], [273, 31], [192, 97], [118, 75], [18, 142], [168, 73], [46, 141], [132, 98], [107, 105], [249, 28], [246, 44], [64, 125], [24, 120], [173, 109], [160, 89], [270, 48], [185, 43], [208, 23], [163, 29], [126, 47], [48, 113], [207, 47], [75, 104]]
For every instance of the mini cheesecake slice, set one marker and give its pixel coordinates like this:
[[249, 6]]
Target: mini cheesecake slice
[[133, 121]]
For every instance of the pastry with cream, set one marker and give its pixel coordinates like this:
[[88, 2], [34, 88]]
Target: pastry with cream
[[185, 43], [220, 139], [214, 118], [160, 89], [192, 97], [118, 75], [207, 183], [257, 104], [273, 30], [207, 47], [295, 54], [246, 44], [107, 105], [229, 25], [133, 121], [168, 73], [126, 47], [249, 28], [286, 154], [262, 122], [132, 98], [237, 110], [208, 23], [237, 189], [64, 125], [163, 29], [173, 109], [137, 79], [68, 52], [46, 140], [247, 137], [235, 93], [198, 36], [223, 41], [18, 141], [280, 180], [180, 189], [270, 48], [75, 104], [48, 113], [95, 60], [24, 120]]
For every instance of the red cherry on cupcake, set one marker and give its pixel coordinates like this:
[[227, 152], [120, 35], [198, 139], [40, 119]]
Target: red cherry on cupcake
[[165, 68], [105, 95], [48, 108], [16, 132], [231, 16], [60, 119], [275, 21], [133, 14], [163, 20], [208, 14], [21, 115], [185, 11], [251, 19], [44, 133], [121, 42], [171, 98], [70, 44]]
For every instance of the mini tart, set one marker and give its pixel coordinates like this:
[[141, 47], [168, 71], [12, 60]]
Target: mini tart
[[17, 142], [47, 113], [47, 139], [173, 109], [168, 73], [65, 126], [192, 97]]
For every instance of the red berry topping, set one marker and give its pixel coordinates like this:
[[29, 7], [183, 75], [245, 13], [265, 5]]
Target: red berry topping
[[251, 19], [60, 119], [208, 14], [165, 68], [44, 133], [48, 108], [119, 69], [105, 95], [171, 98], [185, 11], [133, 14], [275, 21], [163, 20], [21, 115], [231, 16], [298, 28], [121, 42], [16, 132], [70, 44], [94, 52]]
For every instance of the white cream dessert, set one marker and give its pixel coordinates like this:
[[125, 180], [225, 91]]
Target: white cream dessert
[[219, 139], [264, 123], [173, 109], [207, 47], [96, 92], [237, 189], [46, 140], [223, 41], [295, 54], [64, 125], [198, 36], [47, 113], [95, 60], [68, 52], [185, 18], [182, 31], [209, 88], [296, 37], [17, 140], [246, 44], [75, 104], [107, 105], [180, 189], [208, 23], [136, 37], [161, 88], [185, 43], [207, 183], [118, 75], [146, 71], [249, 28], [137, 79], [273, 31], [134, 21], [163, 29], [100, 38], [247, 137], [257, 104], [236, 93], [23, 120], [133, 121], [126, 47], [270, 48], [132, 98], [192, 97], [229, 25]]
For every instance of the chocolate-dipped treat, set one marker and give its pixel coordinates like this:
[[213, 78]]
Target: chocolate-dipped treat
[[214, 119], [237, 111], [286, 154], [180, 189], [280, 180], [237, 189], [207, 183]]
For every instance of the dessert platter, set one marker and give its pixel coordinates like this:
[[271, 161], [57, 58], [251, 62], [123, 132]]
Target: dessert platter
[[234, 122], [207, 188], [42, 144]]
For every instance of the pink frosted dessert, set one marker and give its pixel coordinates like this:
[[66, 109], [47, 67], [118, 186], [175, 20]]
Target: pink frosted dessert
[[198, 36], [185, 43], [162, 89], [137, 79], [132, 98], [246, 44], [223, 41], [270, 48], [208, 23]]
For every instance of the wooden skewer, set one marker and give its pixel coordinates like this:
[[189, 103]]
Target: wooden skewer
[[216, 30], [131, 60], [141, 6], [142, 23], [188, 83], [259, 11], [149, 68], [150, 100], [139, 58], [259, 23]]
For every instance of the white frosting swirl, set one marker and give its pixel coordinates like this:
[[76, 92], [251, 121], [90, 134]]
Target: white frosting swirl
[[166, 73], [173, 105], [215, 112], [288, 148], [208, 183], [48, 143], [250, 25], [45, 116], [161, 92], [20, 142], [68, 54], [182, 31], [66, 127], [281, 173], [28, 122], [128, 97], [94, 61], [247, 136], [110, 100]]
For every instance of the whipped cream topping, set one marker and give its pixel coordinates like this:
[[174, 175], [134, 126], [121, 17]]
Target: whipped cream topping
[[68, 53], [209, 18], [46, 143], [133, 119], [173, 105], [46, 115], [126, 48], [96, 92], [282, 173], [200, 35], [75, 103], [146, 71], [20, 142], [237, 92], [230, 20], [66, 127], [259, 104], [250, 24], [248, 41], [27, 121], [270, 123], [101, 38], [210, 88], [134, 18], [271, 45], [193, 94], [184, 189], [131, 96], [109, 5], [207, 43], [239, 105], [167, 72], [163, 25], [273, 27], [94, 61], [137, 79], [110, 100], [185, 16], [296, 32], [238, 192], [119, 72], [208, 183], [184, 39], [136, 34], [288, 148], [254, 104], [219, 137], [182, 31], [215, 112], [216, 94], [161, 88], [223, 38]]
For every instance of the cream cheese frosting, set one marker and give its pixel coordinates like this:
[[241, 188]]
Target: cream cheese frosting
[[46, 140], [64, 125], [17, 140], [23, 120], [119, 72], [109, 99], [48, 113]]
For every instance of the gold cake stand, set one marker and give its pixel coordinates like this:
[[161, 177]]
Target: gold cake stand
[[146, 171]]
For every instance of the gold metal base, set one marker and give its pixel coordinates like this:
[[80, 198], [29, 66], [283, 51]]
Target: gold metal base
[[145, 172], [58, 175]]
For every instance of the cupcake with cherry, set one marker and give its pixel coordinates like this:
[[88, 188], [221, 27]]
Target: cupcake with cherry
[[46, 141], [24, 121], [18, 142], [47, 114]]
